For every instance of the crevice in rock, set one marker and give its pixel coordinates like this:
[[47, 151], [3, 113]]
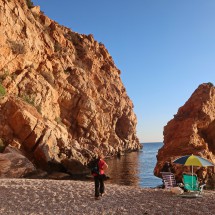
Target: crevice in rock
[[122, 127], [208, 135], [38, 141]]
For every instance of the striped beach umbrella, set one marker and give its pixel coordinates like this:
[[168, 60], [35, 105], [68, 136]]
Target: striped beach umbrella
[[193, 160]]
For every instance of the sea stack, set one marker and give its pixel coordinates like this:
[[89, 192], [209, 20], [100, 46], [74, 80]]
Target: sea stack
[[61, 96], [191, 131]]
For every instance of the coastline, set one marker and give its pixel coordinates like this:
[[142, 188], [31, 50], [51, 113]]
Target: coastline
[[42, 196]]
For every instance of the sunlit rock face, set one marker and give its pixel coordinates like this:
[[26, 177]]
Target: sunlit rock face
[[191, 131], [61, 96]]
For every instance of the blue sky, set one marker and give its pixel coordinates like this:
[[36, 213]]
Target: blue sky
[[164, 48]]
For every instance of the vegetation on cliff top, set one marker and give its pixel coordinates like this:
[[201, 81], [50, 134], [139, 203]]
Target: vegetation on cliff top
[[2, 90], [210, 84], [30, 3]]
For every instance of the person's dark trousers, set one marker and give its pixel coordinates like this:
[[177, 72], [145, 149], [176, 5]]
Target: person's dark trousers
[[99, 185]]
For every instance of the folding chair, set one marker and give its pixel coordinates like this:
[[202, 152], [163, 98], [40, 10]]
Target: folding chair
[[168, 180], [191, 183]]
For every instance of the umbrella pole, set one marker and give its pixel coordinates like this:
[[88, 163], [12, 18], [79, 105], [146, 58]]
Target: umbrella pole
[[192, 177]]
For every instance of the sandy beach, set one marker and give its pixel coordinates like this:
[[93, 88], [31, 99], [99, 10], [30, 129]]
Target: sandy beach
[[35, 196]]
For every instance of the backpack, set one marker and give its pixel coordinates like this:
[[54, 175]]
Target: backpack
[[94, 166]]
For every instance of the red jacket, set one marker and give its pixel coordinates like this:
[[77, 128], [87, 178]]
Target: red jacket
[[101, 165]]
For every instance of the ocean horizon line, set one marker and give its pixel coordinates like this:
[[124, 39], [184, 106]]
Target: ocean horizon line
[[152, 142]]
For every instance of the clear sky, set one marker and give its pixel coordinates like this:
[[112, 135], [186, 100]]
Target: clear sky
[[164, 48]]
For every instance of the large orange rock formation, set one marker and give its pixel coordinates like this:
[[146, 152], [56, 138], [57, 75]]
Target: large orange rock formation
[[191, 131], [61, 97]]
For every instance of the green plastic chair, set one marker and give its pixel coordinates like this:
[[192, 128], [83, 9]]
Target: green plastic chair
[[191, 183]]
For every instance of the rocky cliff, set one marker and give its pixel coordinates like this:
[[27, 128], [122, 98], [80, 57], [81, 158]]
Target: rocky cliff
[[61, 97], [191, 131]]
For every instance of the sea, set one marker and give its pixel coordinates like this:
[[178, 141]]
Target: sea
[[135, 168]]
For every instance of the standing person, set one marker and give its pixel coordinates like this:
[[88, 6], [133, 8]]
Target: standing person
[[100, 176]]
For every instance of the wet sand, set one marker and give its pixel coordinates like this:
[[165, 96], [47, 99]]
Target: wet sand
[[36, 196]]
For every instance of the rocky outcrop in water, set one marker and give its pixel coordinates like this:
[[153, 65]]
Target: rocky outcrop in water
[[191, 131], [61, 96]]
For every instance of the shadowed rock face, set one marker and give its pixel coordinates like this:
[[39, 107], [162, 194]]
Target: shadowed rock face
[[191, 131], [64, 99], [14, 165]]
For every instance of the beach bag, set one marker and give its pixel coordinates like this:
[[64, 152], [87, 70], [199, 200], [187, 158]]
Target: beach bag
[[176, 190]]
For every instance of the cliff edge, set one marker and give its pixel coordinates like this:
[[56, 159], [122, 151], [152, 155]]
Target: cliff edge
[[61, 97], [191, 131]]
